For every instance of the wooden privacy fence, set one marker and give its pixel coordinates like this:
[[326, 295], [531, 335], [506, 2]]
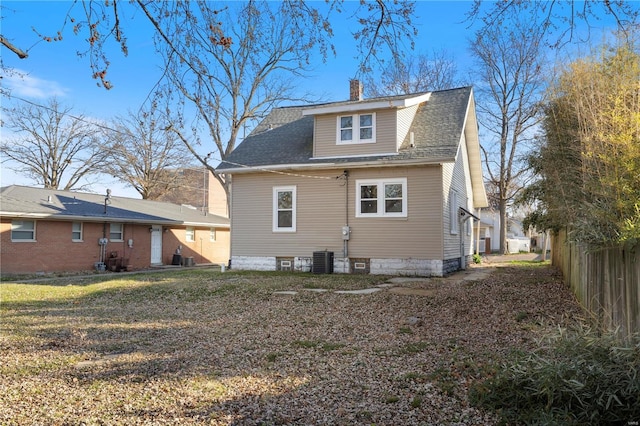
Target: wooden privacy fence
[[606, 282]]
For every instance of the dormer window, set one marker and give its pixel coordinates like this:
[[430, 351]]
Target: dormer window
[[356, 128]]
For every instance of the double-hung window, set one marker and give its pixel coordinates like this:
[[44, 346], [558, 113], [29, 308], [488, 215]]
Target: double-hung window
[[284, 209], [76, 231], [23, 230], [190, 234], [453, 212], [381, 197], [212, 234], [356, 128], [116, 232]]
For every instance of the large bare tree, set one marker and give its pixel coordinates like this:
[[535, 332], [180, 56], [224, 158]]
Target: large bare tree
[[231, 80], [52, 146], [413, 74], [144, 155], [510, 63], [232, 71]]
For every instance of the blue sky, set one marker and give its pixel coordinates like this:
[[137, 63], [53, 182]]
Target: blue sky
[[55, 69]]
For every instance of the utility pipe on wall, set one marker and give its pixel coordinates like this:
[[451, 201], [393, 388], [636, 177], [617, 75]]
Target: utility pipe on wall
[[345, 228]]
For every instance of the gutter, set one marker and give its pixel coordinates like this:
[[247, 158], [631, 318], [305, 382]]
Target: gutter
[[352, 165], [111, 219]]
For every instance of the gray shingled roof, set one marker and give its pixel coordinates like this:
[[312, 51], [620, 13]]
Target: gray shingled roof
[[29, 202], [285, 136]]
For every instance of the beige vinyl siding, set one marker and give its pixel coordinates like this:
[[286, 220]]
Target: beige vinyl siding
[[325, 136], [321, 212], [405, 118], [319, 209], [419, 235], [456, 177]]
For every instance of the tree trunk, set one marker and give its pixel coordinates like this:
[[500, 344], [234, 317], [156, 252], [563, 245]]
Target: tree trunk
[[503, 226]]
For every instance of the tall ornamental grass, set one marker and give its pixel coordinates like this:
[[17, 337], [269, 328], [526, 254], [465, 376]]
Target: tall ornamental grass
[[577, 377]]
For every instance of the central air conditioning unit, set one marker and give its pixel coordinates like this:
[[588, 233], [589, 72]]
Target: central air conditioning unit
[[323, 262]]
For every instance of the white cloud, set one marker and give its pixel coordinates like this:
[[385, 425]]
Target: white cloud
[[20, 83]]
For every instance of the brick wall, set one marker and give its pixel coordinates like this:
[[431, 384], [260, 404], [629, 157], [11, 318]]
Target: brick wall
[[203, 250], [54, 250]]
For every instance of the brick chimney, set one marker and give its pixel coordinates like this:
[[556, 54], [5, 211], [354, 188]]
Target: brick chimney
[[355, 90]]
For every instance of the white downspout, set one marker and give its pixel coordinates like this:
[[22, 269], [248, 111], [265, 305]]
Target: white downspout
[[478, 233]]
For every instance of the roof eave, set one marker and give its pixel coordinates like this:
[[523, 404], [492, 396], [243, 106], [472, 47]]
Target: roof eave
[[281, 168], [109, 219], [480, 199], [209, 225], [368, 105]]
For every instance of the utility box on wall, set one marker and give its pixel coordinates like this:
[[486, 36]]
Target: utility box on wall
[[323, 262]]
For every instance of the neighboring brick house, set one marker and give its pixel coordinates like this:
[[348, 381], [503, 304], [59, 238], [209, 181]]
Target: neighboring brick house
[[385, 185], [46, 230]]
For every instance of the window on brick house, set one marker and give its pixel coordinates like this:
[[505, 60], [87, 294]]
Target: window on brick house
[[76, 231], [116, 232], [190, 234], [23, 230]]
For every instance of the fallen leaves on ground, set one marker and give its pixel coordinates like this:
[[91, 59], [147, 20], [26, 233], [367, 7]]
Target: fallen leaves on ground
[[211, 348]]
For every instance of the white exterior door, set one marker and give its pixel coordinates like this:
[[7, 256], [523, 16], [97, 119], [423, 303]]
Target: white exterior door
[[156, 245]]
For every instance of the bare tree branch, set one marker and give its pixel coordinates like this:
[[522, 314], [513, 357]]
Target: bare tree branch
[[19, 52], [49, 146], [558, 19], [414, 74], [144, 155]]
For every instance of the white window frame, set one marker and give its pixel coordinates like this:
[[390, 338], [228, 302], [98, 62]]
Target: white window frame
[[454, 225], [212, 234], [190, 234], [17, 226], [74, 230], [116, 229], [276, 190], [355, 129], [380, 183]]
